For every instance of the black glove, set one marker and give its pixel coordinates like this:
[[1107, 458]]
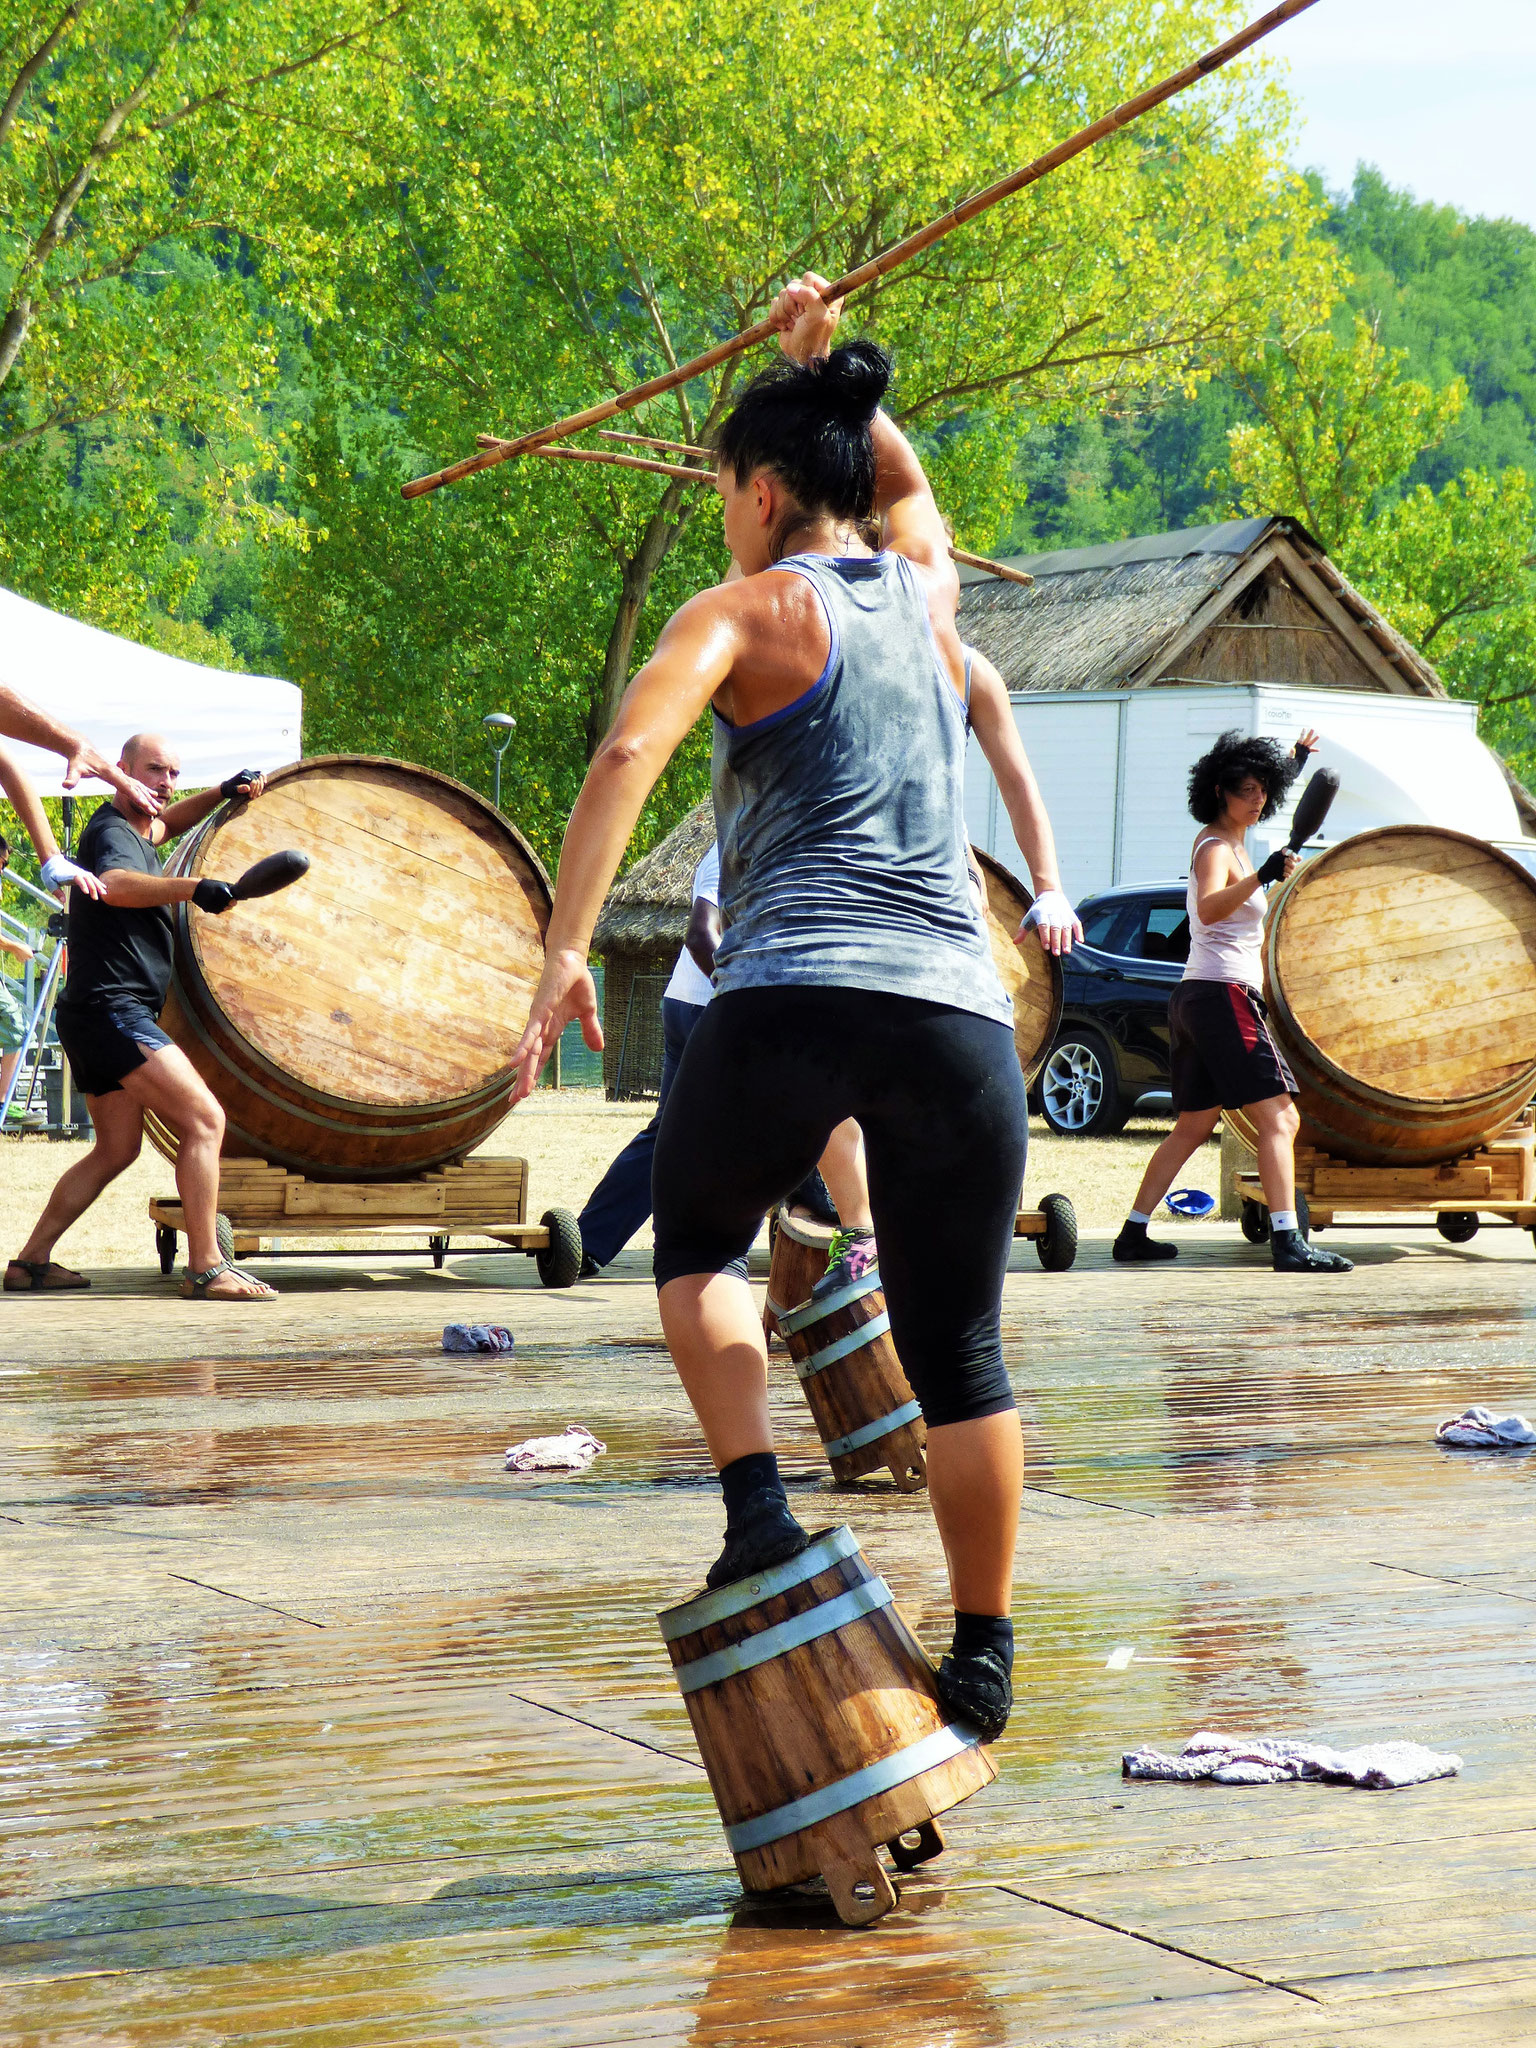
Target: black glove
[[239, 784], [1300, 756], [1273, 869], [213, 896]]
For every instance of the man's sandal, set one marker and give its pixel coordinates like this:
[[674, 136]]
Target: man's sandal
[[194, 1286], [41, 1276]]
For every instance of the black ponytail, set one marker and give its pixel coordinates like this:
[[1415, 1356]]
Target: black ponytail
[[809, 423]]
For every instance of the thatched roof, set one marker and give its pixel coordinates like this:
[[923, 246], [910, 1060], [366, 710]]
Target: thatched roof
[[1252, 600], [648, 911]]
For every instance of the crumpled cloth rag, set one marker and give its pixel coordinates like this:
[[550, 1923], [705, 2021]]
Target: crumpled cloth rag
[[1271, 1760], [476, 1337], [1479, 1429], [572, 1451]]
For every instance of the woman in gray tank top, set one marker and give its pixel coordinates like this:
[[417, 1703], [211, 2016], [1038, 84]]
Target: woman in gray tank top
[[854, 976]]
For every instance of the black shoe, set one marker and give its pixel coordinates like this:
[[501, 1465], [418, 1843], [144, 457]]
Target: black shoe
[[589, 1267], [1292, 1253], [766, 1534], [1133, 1247], [975, 1687]]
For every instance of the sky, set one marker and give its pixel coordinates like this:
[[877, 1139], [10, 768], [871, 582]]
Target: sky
[[1441, 98]]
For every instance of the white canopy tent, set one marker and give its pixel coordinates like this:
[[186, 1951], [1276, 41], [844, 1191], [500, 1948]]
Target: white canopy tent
[[108, 688]]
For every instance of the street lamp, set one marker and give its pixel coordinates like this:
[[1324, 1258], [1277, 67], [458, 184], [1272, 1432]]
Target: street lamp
[[499, 728]]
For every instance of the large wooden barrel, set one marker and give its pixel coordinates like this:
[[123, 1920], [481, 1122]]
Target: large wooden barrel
[[1400, 973], [1031, 976], [859, 1397], [359, 1025], [817, 1717]]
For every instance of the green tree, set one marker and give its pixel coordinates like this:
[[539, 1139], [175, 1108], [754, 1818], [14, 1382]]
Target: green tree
[[1340, 429], [156, 170], [598, 191]]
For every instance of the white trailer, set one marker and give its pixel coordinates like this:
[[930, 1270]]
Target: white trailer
[[1113, 767]]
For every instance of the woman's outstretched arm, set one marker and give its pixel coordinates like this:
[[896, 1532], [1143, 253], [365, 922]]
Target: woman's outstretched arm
[[693, 658]]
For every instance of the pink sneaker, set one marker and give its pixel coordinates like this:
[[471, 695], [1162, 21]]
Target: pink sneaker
[[851, 1255]]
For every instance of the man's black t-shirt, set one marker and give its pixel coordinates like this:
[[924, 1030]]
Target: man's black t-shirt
[[117, 955]]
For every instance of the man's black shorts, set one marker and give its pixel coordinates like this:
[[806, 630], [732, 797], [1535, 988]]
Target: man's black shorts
[[1221, 1055], [104, 1041]]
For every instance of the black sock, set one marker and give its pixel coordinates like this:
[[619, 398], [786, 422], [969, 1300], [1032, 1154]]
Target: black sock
[[745, 1476], [985, 1632]]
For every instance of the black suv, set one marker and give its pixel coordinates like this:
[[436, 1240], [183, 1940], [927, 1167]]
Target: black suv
[[1111, 1047]]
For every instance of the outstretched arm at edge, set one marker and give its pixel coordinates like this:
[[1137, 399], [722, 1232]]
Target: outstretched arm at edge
[[20, 720], [693, 658]]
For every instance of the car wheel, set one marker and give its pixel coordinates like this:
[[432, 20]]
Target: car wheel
[[1079, 1089]]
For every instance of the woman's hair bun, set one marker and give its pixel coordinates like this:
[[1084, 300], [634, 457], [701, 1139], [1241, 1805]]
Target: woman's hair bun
[[855, 377], [810, 424]]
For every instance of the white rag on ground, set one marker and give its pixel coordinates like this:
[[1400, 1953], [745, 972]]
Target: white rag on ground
[[1272, 1760], [1479, 1429], [476, 1337], [572, 1451]]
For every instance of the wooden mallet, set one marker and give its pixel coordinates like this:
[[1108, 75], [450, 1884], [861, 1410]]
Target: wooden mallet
[[1312, 806], [266, 877]]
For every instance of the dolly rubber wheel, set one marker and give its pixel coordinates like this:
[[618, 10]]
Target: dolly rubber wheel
[[1056, 1246], [165, 1246], [1457, 1226], [1254, 1222], [224, 1235], [1303, 1217], [437, 1245], [559, 1262]]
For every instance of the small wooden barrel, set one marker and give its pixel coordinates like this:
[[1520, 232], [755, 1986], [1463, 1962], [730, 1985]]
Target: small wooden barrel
[[360, 1025], [818, 1721], [1400, 973], [799, 1259], [1031, 976], [863, 1407]]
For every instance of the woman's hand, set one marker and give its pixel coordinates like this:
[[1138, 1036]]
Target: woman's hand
[[805, 321], [1056, 921], [1307, 744], [566, 990]]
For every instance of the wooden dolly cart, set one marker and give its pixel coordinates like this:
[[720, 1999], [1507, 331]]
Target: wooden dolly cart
[[482, 1198], [1499, 1179]]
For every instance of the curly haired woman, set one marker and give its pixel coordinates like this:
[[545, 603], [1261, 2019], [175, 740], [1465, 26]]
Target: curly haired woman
[[1221, 1053]]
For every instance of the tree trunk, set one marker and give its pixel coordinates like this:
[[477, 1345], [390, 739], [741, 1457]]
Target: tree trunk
[[663, 530]]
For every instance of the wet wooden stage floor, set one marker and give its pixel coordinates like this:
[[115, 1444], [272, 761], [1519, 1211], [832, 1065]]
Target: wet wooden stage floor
[[322, 1729]]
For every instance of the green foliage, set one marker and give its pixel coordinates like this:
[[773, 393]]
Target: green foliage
[[1337, 425]]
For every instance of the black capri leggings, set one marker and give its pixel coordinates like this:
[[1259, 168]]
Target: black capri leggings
[[770, 1073]]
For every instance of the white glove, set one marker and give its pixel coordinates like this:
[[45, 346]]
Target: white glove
[[1052, 913], [58, 872]]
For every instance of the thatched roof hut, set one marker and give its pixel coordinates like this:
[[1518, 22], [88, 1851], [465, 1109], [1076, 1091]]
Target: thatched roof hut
[[638, 934], [1249, 600]]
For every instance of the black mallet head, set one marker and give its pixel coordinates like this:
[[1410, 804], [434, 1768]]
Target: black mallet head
[[266, 877], [1312, 806]]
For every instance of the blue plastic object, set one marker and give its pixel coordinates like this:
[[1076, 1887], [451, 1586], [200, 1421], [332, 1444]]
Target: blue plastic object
[[1192, 1202]]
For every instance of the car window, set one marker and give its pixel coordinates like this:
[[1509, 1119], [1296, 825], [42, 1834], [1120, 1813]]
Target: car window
[[1160, 931], [1099, 921]]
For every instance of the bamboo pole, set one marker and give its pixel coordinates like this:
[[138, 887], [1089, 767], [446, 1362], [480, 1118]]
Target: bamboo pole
[[693, 476], [653, 441], [878, 266], [984, 562], [705, 476]]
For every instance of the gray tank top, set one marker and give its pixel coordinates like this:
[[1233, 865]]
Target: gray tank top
[[840, 820]]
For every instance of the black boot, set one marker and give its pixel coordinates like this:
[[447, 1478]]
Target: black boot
[[976, 1687], [1133, 1247], [976, 1676], [1292, 1253], [763, 1532]]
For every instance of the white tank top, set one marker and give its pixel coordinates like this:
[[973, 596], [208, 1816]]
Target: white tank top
[[1232, 948]]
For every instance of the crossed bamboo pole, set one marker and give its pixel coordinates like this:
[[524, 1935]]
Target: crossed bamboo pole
[[493, 450], [1003, 570]]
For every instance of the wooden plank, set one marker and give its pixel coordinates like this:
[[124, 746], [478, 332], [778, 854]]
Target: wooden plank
[[362, 1198]]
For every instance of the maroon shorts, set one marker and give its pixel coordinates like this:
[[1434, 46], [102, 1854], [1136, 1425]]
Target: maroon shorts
[[1221, 1055]]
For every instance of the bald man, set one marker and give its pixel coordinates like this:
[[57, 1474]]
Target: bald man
[[107, 1020]]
